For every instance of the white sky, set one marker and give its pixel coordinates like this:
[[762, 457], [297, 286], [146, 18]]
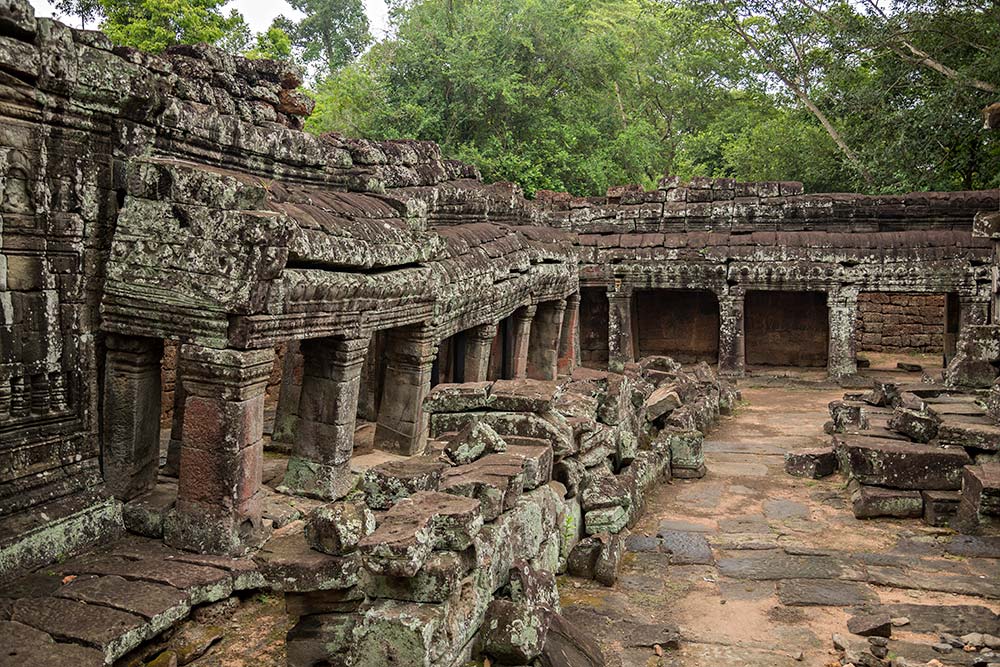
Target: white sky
[[259, 14]]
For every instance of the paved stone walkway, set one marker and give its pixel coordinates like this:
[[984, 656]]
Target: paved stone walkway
[[753, 566]]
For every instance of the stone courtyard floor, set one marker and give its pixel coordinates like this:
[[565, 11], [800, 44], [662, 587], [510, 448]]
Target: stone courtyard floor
[[755, 567]]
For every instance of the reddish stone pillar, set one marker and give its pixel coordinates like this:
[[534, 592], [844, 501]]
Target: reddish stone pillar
[[842, 357], [173, 465], [543, 341], [286, 413], [621, 350], [402, 422], [320, 465], [131, 415], [218, 507], [478, 347], [732, 339], [523, 318], [569, 337]]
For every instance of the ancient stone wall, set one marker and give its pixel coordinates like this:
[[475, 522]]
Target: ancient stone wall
[[901, 322]]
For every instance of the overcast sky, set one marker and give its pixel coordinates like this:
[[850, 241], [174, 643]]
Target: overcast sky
[[259, 13]]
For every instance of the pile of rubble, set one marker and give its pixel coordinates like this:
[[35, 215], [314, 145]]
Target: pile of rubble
[[911, 451], [454, 553]]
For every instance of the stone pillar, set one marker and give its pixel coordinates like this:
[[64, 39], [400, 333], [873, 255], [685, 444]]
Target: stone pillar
[[320, 464], [972, 311], [732, 334], [402, 422], [569, 337], [478, 347], [621, 349], [219, 499], [523, 318], [286, 414], [543, 340], [131, 415], [173, 465], [843, 320]]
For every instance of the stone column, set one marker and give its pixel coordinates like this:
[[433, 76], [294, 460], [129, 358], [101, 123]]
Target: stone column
[[286, 413], [219, 499], [569, 337], [543, 340], [732, 334], [478, 346], [173, 465], [320, 465], [843, 320], [621, 349], [972, 311], [131, 415], [523, 318], [402, 422]]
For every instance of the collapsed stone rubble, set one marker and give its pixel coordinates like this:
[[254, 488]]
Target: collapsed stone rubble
[[522, 480], [913, 451]]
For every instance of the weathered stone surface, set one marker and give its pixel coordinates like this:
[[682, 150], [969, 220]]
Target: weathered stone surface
[[813, 463], [289, 564], [145, 514], [438, 579], [389, 482], [23, 645], [567, 646], [870, 502], [661, 402], [901, 465], [870, 625], [917, 426], [514, 633], [331, 601], [496, 481], [537, 460], [522, 395], [818, 592], [110, 631], [686, 548], [322, 638], [473, 442], [337, 528], [970, 434], [447, 397], [940, 507], [154, 602]]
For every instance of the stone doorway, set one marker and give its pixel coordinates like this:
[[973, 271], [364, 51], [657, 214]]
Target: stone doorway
[[683, 324], [594, 315], [787, 328]]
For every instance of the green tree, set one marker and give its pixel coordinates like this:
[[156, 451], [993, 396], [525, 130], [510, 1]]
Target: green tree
[[153, 25], [332, 34], [274, 44], [88, 11]]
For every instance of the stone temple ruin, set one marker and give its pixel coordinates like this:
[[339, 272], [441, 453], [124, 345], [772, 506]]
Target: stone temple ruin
[[237, 357]]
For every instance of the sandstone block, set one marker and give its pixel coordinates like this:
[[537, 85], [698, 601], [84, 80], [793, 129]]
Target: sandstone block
[[337, 528], [474, 441], [495, 480], [872, 501], [812, 463], [389, 482], [901, 465]]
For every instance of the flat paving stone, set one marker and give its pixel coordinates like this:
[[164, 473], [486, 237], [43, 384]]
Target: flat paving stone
[[959, 584], [689, 526], [973, 546], [729, 469], [203, 584], [775, 566], [824, 593], [785, 509], [751, 523], [745, 590], [687, 548], [110, 631], [136, 597], [953, 619], [24, 646]]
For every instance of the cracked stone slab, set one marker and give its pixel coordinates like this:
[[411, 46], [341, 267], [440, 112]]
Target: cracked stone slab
[[820, 592], [141, 598], [774, 566], [785, 509], [25, 646], [110, 631], [972, 546], [203, 584], [953, 619]]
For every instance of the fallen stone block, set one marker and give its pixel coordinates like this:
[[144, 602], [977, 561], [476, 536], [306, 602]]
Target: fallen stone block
[[473, 442], [522, 395], [846, 415], [337, 528], [145, 515], [602, 491], [662, 401], [598, 557], [607, 519], [901, 465], [877, 624], [437, 580], [389, 482], [870, 502], [683, 472], [883, 394], [567, 645], [549, 426], [685, 449], [917, 426], [533, 586], [970, 434], [980, 500], [462, 397], [289, 564], [514, 633], [537, 460], [570, 473], [812, 463], [940, 507], [496, 481], [414, 527]]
